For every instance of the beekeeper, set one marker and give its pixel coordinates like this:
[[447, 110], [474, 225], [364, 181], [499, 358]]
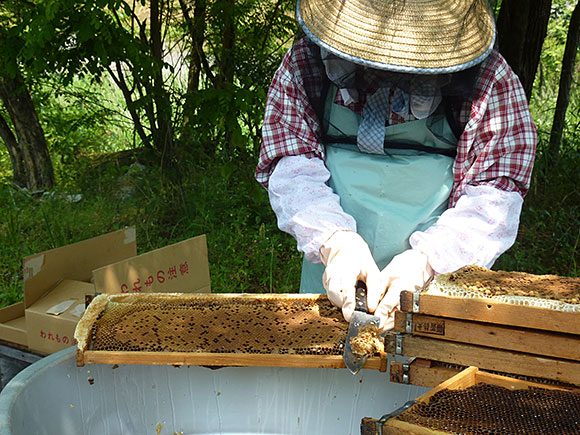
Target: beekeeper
[[397, 144]]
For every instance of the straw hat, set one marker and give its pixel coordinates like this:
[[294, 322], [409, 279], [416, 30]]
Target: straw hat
[[415, 36]]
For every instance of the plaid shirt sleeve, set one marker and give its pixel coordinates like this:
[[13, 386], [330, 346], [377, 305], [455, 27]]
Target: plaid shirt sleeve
[[290, 125], [498, 145], [492, 172]]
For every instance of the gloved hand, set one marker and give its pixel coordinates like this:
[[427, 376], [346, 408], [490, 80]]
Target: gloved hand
[[348, 258], [409, 270]]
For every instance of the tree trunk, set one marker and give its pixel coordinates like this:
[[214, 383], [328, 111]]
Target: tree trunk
[[226, 62], [163, 131], [521, 28], [196, 28], [18, 168], [225, 78], [119, 79], [31, 143], [566, 76]]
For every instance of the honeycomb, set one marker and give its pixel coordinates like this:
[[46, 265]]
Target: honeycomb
[[517, 288], [368, 341], [491, 409], [307, 325]]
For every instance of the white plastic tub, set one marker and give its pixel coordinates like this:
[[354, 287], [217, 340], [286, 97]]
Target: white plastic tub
[[55, 397]]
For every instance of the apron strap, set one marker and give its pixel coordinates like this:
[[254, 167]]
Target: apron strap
[[449, 152]]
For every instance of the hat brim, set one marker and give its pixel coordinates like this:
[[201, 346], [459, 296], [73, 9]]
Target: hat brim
[[423, 37]]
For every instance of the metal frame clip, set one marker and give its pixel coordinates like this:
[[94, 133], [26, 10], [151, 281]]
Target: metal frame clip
[[399, 344], [407, 369], [409, 323], [416, 301]]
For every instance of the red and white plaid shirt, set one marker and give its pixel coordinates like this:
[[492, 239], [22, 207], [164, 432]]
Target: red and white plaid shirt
[[497, 147]]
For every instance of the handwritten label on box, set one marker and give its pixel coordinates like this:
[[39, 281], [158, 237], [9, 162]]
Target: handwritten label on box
[[429, 326]]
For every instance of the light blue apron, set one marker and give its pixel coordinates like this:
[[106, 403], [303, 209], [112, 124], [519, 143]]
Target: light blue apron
[[390, 196]]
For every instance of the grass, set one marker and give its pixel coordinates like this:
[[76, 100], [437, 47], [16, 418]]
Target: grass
[[247, 253], [548, 241]]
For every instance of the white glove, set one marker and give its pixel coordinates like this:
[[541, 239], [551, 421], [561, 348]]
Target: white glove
[[348, 258], [409, 270]]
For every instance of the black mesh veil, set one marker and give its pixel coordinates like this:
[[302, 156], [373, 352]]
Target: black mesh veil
[[456, 89], [345, 74]]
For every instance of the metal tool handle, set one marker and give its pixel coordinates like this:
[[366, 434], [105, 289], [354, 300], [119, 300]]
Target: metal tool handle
[[360, 296]]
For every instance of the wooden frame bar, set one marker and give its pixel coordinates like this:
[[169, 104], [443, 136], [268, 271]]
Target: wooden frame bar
[[486, 358], [227, 359], [85, 355], [427, 373], [491, 311], [533, 341]]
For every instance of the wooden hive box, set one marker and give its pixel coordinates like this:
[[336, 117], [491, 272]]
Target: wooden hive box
[[508, 322], [474, 402]]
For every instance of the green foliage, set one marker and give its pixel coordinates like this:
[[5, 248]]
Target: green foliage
[[549, 235], [37, 224], [234, 109], [247, 252], [66, 39], [76, 38], [262, 32], [77, 120], [547, 80]]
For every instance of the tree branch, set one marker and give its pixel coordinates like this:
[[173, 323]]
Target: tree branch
[[122, 85], [270, 23]]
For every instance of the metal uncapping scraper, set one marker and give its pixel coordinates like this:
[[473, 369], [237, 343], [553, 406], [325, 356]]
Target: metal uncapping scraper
[[360, 318]]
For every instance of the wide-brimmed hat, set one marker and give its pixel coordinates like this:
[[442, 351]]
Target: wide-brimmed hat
[[416, 36]]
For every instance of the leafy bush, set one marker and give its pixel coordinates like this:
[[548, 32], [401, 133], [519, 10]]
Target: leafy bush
[[549, 234], [247, 252]]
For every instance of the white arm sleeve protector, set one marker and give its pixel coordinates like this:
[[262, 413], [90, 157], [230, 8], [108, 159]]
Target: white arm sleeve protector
[[306, 207], [482, 225]]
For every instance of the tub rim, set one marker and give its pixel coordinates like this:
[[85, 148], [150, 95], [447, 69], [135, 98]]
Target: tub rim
[[16, 385]]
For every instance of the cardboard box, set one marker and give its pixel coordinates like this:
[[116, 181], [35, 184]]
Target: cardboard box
[[13, 324], [178, 268], [64, 274], [52, 319]]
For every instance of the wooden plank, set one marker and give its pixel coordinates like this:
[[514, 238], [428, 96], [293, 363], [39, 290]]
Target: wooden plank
[[424, 376], [224, 359], [406, 301], [463, 379], [518, 384], [491, 311], [140, 297], [487, 358], [533, 341]]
